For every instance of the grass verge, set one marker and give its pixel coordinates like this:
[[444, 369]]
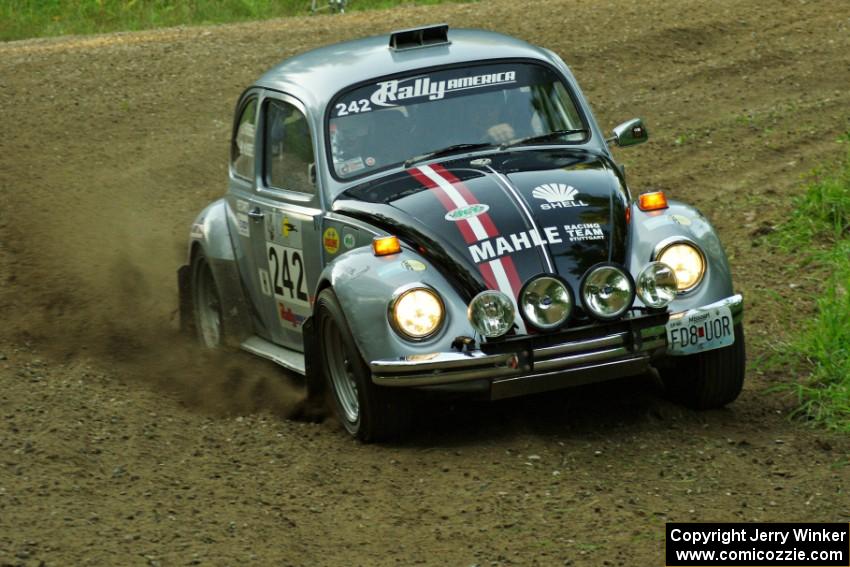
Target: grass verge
[[21, 19], [818, 233]]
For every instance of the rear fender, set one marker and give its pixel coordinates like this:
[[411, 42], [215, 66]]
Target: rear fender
[[210, 234], [365, 284]]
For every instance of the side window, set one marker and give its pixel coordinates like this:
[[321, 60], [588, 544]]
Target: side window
[[242, 149], [288, 148]]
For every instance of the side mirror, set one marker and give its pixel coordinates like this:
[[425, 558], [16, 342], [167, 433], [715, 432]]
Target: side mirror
[[629, 133]]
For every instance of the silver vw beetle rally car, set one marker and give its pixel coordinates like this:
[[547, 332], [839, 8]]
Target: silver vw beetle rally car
[[438, 210]]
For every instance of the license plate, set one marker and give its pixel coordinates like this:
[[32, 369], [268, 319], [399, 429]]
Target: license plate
[[699, 330]]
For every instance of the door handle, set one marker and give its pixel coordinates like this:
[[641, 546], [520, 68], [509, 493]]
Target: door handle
[[256, 214]]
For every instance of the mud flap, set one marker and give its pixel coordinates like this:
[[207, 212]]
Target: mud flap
[[312, 408], [312, 365], [184, 290]]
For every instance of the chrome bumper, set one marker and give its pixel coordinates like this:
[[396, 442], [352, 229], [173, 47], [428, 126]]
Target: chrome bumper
[[735, 304], [527, 369]]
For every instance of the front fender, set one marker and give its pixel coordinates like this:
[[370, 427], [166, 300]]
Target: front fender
[[365, 284], [210, 233], [649, 229]]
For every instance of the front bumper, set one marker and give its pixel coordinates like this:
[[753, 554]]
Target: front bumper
[[538, 363]]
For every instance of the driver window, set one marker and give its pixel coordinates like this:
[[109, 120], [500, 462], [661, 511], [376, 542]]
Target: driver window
[[288, 148]]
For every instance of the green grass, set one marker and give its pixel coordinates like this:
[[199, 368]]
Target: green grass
[[818, 232], [20, 19]]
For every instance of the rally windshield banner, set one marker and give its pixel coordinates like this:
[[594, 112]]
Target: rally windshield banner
[[439, 85]]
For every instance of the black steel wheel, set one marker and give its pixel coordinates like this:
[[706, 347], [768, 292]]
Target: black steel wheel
[[368, 412], [206, 305]]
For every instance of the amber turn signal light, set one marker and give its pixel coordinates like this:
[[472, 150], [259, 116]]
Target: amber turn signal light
[[385, 245], [652, 201]]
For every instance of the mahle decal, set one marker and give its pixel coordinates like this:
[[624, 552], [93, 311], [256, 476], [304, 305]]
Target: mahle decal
[[467, 212], [492, 248]]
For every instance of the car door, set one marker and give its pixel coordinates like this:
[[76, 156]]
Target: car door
[[244, 165], [285, 213]]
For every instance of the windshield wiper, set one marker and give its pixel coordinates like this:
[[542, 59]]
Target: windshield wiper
[[445, 151], [541, 137]]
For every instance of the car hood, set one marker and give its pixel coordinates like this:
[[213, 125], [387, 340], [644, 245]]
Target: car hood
[[504, 218]]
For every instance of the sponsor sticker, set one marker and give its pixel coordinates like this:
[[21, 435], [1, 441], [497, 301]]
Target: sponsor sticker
[[197, 231], [391, 93], [681, 219], [289, 316], [242, 206], [557, 196], [330, 240], [350, 166], [413, 266], [243, 224], [287, 227], [584, 232], [430, 87], [492, 248], [467, 212], [348, 240]]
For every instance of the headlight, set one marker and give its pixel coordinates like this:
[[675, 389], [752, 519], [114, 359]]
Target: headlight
[[607, 291], [546, 302], [491, 313], [416, 312], [687, 261], [657, 285]]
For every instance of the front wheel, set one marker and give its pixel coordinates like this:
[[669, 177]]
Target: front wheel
[[708, 379], [368, 412]]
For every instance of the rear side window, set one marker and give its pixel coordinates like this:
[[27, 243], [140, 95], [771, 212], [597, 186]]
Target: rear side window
[[288, 148], [242, 149]]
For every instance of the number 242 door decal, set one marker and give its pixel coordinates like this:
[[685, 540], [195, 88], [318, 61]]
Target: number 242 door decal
[[286, 266]]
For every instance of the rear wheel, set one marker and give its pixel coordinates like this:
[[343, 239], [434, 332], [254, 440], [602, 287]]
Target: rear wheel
[[368, 412], [206, 306], [708, 379]]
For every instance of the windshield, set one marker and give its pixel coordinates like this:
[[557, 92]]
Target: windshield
[[387, 122]]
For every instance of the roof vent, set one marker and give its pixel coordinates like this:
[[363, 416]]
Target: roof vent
[[420, 37]]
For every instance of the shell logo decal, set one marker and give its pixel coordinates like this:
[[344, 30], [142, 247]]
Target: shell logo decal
[[557, 196], [555, 192]]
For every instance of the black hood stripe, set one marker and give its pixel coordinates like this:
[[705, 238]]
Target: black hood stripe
[[501, 273], [522, 207]]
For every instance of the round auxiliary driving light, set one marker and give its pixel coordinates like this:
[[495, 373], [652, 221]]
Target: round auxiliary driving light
[[657, 285], [491, 313], [607, 291], [546, 302]]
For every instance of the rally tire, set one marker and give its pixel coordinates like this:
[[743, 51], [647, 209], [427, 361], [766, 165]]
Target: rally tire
[[368, 412], [207, 318], [708, 379]]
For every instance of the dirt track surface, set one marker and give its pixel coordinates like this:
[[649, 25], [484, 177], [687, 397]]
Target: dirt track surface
[[120, 444]]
